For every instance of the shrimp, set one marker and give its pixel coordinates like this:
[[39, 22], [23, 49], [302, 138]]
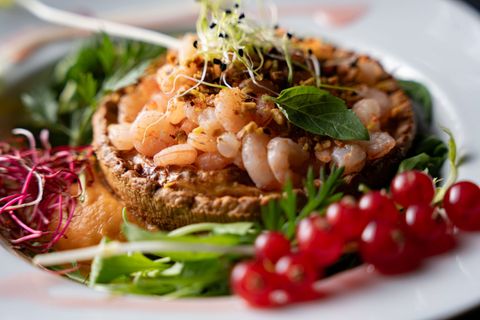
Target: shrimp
[[171, 78], [369, 71], [263, 113], [158, 102], [177, 155], [228, 145], [212, 161], [176, 111], [151, 132], [187, 51], [283, 154], [187, 126], [202, 141], [131, 104], [381, 97], [379, 145], [368, 111], [229, 110], [255, 160], [119, 135], [351, 156], [207, 119]]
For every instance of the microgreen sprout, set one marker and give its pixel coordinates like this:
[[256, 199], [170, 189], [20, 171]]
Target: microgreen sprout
[[38, 191]]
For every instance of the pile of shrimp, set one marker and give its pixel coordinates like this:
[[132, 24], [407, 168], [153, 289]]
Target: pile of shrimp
[[178, 120]]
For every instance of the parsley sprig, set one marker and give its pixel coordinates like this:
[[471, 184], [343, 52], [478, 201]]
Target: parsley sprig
[[66, 103]]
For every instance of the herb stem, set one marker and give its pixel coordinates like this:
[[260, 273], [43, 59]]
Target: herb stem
[[117, 248]]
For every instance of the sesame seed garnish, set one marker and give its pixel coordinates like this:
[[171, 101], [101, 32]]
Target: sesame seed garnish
[[217, 61], [213, 25], [289, 35], [228, 11], [241, 16], [240, 52], [195, 44]]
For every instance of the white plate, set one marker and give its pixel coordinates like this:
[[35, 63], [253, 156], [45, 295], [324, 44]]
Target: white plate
[[434, 41]]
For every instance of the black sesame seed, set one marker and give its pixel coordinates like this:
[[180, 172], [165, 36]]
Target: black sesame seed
[[241, 16], [276, 26], [237, 5], [289, 35], [195, 44], [225, 35], [217, 61], [228, 11], [310, 51], [223, 67], [213, 25], [240, 52], [220, 35]]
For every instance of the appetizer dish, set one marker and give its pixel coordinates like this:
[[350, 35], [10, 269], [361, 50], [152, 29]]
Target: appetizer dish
[[244, 160]]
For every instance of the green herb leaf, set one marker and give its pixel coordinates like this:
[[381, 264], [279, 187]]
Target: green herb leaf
[[66, 103], [317, 111], [284, 214], [420, 94], [428, 153], [105, 270], [227, 235]]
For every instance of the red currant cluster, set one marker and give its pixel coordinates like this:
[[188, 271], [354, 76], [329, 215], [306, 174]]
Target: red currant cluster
[[393, 233]]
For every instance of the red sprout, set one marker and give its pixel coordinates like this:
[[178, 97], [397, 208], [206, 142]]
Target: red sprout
[[39, 189]]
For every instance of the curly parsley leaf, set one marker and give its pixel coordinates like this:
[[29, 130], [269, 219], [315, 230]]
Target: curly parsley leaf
[[318, 111]]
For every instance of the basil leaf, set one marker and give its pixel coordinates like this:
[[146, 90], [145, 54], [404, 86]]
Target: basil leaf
[[319, 112], [420, 94]]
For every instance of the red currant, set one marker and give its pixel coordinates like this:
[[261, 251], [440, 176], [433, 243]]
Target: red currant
[[430, 230], [420, 220], [412, 187], [299, 272], [316, 237], [388, 249], [271, 245], [378, 206], [259, 287], [462, 204], [346, 218]]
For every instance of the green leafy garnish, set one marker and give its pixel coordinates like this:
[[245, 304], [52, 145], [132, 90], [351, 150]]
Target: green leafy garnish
[[173, 274], [428, 153], [420, 94], [106, 269], [452, 161], [66, 103], [318, 111], [284, 214]]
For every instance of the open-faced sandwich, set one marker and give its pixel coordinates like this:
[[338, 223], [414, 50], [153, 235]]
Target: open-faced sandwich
[[210, 135]]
